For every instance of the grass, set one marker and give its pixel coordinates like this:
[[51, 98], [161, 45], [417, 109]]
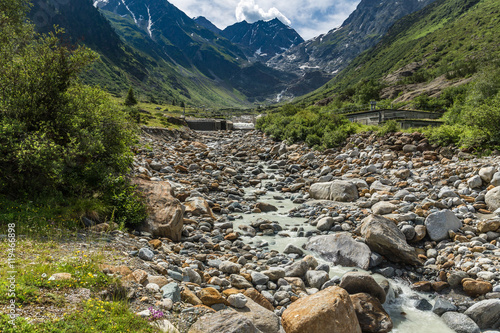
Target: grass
[[93, 315], [49, 240]]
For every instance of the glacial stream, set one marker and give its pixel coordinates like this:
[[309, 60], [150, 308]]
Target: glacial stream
[[406, 318]]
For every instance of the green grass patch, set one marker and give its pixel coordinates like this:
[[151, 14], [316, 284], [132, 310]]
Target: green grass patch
[[93, 316]]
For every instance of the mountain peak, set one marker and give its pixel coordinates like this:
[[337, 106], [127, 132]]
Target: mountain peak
[[262, 39]]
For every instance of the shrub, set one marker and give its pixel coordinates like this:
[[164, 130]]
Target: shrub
[[390, 126]]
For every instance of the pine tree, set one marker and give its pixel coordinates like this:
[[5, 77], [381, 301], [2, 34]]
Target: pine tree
[[130, 100]]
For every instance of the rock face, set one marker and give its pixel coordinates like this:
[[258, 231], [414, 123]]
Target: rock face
[[492, 198], [384, 237], [329, 310], [355, 282], [486, 313], [439, 223], [338, 190], [166, 213], [341, 249], [371, 315], [225, 321], [460, 323]]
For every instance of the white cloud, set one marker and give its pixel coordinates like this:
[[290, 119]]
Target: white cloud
[[309, 17], [250, 11]]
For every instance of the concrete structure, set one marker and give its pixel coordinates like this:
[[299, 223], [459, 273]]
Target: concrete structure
[[209, 124], [406, 118]]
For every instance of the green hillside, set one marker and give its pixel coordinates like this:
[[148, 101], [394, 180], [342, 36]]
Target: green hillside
[[452, 39], [445, 56]]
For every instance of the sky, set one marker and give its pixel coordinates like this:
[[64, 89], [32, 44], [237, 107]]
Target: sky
[[309, 18]]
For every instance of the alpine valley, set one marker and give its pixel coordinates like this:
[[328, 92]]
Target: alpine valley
[[165, 55]]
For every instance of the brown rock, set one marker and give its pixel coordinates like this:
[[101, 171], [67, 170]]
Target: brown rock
[[155, 243], [439, 285], [422, 286], [198, 207], [258, 298], [60, 276], [189, 297], [165, 212], [265, 207], [264, 319], [231, 291], [490, 225], [231, 236], [138, 276], [122, 270], [356, 282], [210, 296], [329, 310], [371, 315], [159, 280], [475, 288]]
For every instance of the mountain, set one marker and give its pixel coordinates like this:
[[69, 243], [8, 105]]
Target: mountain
[[165, 55], [204, 22], [262, 40], [334, 50], [430, 53]]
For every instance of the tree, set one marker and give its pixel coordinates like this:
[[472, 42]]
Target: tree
[[56, 135], [130, 100]]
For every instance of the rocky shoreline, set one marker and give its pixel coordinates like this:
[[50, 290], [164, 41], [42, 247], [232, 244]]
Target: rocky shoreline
[[392, 205]]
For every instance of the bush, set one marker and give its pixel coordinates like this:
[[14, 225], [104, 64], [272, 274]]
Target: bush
[[56, 135], [390, 126]]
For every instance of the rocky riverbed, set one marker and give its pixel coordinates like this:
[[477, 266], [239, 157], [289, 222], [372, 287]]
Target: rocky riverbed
[[407, 219]]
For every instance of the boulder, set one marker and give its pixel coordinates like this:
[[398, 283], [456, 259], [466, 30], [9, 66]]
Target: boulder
[[338, 190], [165, 212], [371, 315], [383, 207], [198, 206], [460, 323], [492, 198], [495, 180], [475, 182], [238, 281], [475, 288], [439, 223], [487, 174], [485, 313], [265, 207], [238, 301], [225, 321], [341, 249], [264, 319], [442, 305], [384, 237], [329, 310], [356, 282], [315, 279], [325, 224]]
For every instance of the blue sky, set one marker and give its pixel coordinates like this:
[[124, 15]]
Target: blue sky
[[309, 17]]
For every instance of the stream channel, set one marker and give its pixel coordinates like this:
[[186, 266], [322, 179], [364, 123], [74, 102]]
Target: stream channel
[[406, 318]]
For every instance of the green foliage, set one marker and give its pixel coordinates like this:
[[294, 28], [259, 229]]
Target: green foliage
[[128, 207], [130, 100], [390, 126], [311, 126], [56, 135]]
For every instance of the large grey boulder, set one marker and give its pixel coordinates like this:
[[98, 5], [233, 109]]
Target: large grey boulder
[[341, 249], [337, 190], [225, 321], [495, 180], [485, 313], [384, 237], [439, 223], [315, 279], [492, 198], [460, 323]]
